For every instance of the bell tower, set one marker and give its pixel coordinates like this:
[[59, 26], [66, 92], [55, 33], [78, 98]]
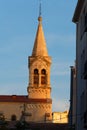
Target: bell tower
[[39, 63], [39, 67]]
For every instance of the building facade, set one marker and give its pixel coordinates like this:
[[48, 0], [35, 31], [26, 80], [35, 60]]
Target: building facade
[[80, 19], [72, 110], [37, 105], [60, 117]]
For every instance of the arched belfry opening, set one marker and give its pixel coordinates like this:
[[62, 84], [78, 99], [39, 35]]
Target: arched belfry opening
[[43, 77], [36, 77]]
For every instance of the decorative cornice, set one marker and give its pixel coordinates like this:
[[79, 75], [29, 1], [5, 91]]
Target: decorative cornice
[[32, 59]]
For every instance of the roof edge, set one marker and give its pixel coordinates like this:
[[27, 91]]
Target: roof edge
[[24, 99], [78, 10]]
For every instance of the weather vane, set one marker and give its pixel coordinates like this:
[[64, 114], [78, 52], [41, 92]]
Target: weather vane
[[40, 8]]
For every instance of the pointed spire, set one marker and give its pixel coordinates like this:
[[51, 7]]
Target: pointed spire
[[40, 48]]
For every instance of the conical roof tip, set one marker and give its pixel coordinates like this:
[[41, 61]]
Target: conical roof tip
[[40, 48]]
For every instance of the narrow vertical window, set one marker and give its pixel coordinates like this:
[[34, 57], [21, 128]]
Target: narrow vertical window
[[36, 76], [13, 118], [43, 76]]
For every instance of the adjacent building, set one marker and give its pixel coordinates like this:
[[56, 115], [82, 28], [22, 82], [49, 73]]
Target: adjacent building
[[60, 117], [72, 110], [37, 105], [80, 19]]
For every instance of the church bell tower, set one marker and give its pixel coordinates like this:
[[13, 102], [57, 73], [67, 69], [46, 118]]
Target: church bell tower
[[39, 88]]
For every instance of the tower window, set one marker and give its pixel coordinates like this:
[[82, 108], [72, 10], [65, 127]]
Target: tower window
[[2, 116], [36, 76], [36, 71], [13, 117], [43, 76], [43, 71]]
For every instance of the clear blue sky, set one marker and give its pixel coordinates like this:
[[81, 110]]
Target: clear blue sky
[[18, 26]]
